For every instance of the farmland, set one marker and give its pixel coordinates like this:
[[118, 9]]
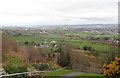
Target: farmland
[[76, 43]]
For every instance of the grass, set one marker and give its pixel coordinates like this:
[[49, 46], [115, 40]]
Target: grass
[[57, 73], [14, 61], [37, 38], [90, 76], [28, 38]]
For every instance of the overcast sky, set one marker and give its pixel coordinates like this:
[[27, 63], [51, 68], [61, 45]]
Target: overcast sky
[[58, 11]]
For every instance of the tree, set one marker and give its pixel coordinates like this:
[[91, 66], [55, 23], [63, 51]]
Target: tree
[[64, 58], [89, 48], [106, 38], [35, 55], [26, 42]]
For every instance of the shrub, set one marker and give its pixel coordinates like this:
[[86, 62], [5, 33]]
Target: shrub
[[106, 38], [14, 69], [112, 69], [89, 48], [41, 67], [26, 42]]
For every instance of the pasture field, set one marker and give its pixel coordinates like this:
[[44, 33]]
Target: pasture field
[[37, 38], [96, 35], [97, 46]]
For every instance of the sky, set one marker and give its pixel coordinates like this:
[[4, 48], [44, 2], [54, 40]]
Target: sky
[[57, 12]]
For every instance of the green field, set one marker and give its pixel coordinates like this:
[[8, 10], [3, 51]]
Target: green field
[[90, 76], [76, 43], [80, 44], [57, 73], [15, 61], [37, 38], [96, 35]]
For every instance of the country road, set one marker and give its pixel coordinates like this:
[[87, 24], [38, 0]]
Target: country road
[[71, 75]]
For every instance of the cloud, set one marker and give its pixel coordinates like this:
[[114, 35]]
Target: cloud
[[58, 11]]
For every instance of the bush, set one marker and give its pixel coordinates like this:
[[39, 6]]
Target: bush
[[89, 48], [26, 42], [106, 38], [112, 69], [41, 67], [14, 69]]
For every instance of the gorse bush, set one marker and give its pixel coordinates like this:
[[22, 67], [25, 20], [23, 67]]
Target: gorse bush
[[112, 69]]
